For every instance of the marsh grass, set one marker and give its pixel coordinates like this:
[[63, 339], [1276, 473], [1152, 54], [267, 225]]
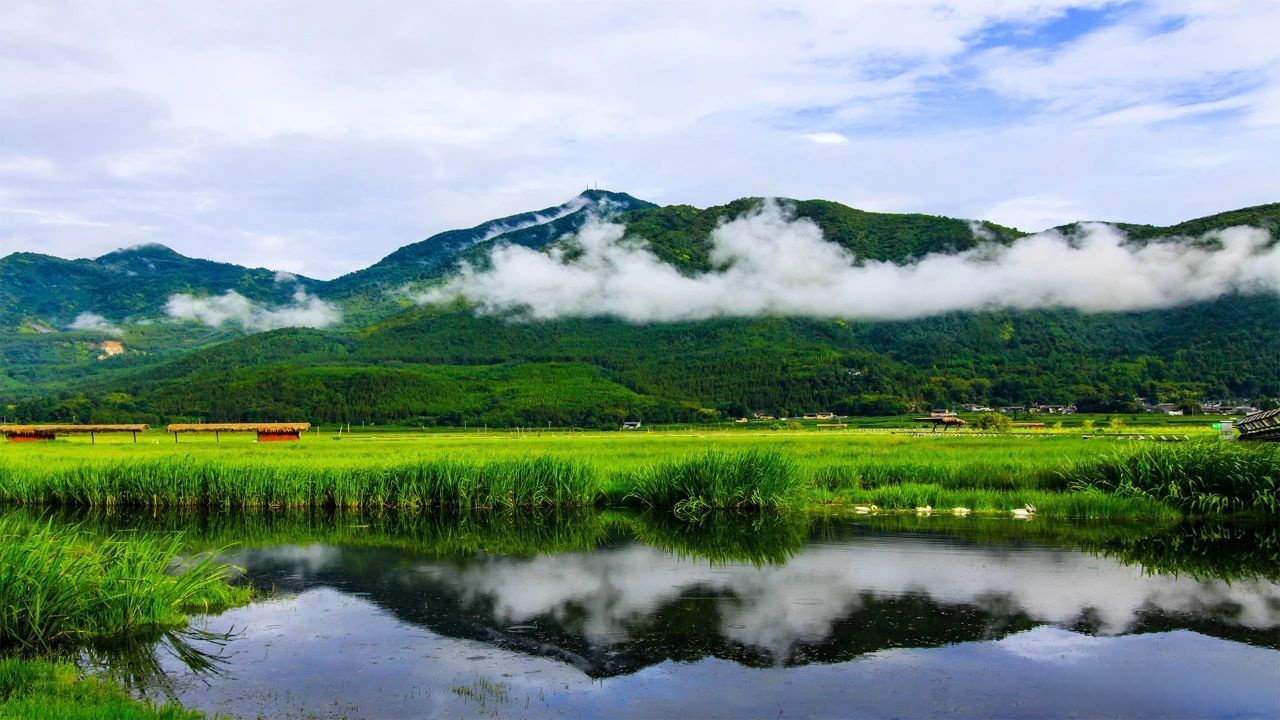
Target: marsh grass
[[677, 472], [1202, 478], [209, 481], [753, 479], [62, 586]]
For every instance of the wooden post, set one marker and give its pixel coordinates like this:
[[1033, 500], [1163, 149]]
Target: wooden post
[[175, 438], [135, 437], [92, 439], [217, 436]]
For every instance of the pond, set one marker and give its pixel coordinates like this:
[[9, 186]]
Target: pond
[[626, 615]]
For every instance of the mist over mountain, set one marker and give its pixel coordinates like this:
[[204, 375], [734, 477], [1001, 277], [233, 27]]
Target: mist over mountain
[[608, 306]]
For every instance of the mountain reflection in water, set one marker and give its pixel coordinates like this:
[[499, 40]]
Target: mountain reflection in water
[[629, 618]]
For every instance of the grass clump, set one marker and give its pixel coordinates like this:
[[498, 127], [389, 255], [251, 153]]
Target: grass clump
[[1202, 478], [65, 586], [753, 479], [43, 689]]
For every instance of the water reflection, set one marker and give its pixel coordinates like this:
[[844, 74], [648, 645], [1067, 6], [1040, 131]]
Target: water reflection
[[626, 605], [141, 662], [625, 614]]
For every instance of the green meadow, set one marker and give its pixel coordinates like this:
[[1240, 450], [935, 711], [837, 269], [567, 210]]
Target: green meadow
[[1059, 473]]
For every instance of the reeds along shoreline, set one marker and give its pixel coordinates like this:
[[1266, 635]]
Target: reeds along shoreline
[[61, 586], [1156, 480], [1207, 478], [712, 481]]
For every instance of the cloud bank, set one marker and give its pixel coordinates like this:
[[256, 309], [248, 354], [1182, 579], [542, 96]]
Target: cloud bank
[[234, 308], [774, 263], [94, 321]]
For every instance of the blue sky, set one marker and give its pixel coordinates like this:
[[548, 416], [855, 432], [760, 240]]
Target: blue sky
[[317, 137]]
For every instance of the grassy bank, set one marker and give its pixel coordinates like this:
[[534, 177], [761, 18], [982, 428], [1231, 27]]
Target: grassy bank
[[33, 689], [63, 588], [1062, 476]]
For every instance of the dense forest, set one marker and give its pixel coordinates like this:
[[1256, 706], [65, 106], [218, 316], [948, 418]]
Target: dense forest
[[450, 367]]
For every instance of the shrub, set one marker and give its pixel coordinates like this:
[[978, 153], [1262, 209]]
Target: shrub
[[993, 421]]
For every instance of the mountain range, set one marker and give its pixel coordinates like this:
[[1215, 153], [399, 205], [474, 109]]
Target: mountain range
[[380, 357]]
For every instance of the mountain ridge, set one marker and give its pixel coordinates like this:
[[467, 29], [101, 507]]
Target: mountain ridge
[[52, 291], [393, 361]]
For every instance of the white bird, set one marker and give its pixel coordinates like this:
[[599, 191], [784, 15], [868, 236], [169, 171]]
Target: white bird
[[924, 510], [862, 509], [961, 511], [1025, 512]]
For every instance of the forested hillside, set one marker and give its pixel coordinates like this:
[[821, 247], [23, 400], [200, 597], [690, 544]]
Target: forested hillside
[[392, 361], [452, 367], [40, 290]]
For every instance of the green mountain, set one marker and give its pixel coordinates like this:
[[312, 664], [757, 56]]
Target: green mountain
[[681, 234], [45, 291], [440, 253], [394, 362]]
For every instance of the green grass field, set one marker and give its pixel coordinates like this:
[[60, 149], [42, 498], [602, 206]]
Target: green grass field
[[1061, 473]]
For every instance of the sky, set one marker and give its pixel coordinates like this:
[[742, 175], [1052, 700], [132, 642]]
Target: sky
[[316, 137]]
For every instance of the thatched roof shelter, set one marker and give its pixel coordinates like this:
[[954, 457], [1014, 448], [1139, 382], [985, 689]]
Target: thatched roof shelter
[[36, 430], [238, 427], [19, 433], [267, 432], [943, 421]]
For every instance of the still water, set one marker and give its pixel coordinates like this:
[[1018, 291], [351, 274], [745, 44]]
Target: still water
[[618, 615]]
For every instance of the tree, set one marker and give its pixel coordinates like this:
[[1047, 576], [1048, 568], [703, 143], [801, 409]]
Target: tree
[[993, 421]]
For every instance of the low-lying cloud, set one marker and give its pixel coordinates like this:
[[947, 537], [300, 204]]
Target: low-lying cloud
[[233, 308], [95, 322], [770, 262], [564, 210]]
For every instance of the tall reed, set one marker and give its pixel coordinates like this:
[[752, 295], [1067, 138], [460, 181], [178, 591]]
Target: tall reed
[[753, 479], [1202, 478], [62, 586], [215, 482]]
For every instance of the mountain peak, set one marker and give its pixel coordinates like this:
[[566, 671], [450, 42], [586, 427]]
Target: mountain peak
[[597, 195], [145, 251]]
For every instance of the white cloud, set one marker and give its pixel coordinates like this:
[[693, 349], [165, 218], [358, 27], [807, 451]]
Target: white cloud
[[776, 264], [1036, 212], [95, 322], [564, 210], [234, 308], [826, 138]]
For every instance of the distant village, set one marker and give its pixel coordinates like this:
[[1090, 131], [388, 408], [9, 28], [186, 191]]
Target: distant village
[[1143, 405], [1213, 407]]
